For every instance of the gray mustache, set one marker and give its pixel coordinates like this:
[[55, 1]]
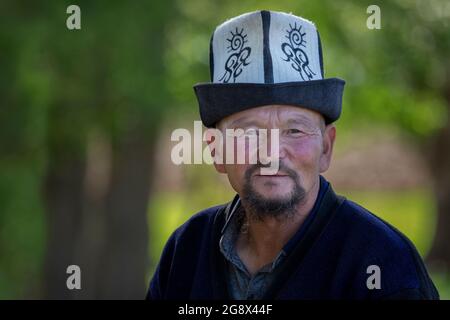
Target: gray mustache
[[282, 167]]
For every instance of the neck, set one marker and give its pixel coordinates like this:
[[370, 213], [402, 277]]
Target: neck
[[265, 238]]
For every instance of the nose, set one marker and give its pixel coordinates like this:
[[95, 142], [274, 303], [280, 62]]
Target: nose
[[270, 147]]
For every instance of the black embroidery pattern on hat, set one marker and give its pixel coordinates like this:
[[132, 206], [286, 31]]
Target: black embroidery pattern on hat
[[239, 57], [295, 54]]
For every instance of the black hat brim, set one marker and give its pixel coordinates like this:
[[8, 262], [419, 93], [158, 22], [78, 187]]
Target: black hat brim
[[219, 100]]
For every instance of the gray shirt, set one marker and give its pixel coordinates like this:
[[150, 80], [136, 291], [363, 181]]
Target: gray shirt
[[241, 285]]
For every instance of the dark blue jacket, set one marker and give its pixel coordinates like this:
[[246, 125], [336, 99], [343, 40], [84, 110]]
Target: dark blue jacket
[[330, 261]]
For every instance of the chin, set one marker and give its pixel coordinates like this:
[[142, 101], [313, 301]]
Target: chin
[[273, 192]]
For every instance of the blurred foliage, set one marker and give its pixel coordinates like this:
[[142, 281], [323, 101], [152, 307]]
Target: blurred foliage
[[57, 86]]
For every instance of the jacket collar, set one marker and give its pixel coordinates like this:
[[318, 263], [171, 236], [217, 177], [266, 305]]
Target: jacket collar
[[325, 212]]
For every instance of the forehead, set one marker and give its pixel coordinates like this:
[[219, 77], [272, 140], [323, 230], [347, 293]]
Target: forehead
[[272, 114]]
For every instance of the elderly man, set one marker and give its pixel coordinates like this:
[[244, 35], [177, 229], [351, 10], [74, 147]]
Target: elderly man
[[286, 234]]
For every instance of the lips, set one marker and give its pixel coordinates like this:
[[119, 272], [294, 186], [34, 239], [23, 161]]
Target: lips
[[282, 172], [272, 175]]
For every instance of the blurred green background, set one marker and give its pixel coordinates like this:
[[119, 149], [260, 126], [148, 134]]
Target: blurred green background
[[86, 117]]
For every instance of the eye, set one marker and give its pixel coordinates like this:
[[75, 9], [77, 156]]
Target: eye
[[294, 132]]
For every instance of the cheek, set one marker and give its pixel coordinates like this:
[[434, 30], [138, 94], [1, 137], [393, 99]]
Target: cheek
[[236, 175], [304, 156], [305, 153]]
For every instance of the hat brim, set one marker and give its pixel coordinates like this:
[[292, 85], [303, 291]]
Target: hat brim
[[219, 100]]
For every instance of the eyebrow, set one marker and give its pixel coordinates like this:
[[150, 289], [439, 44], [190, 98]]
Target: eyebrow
[[243, 123], [301, 120]]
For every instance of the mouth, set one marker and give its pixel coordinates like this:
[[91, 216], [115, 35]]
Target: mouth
[[278, 175]]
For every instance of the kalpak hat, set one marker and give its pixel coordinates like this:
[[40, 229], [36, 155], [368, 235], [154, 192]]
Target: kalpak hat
[[264, 58]]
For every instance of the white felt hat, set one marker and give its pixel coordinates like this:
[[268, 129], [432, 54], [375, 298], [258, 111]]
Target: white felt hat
[[266, 57]]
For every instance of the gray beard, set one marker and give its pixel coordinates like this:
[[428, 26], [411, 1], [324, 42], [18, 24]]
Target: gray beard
[[258, 207]]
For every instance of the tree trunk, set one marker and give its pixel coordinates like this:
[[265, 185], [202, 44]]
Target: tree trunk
[[439, 160], [97, 218], [125, 258], [63, 196]]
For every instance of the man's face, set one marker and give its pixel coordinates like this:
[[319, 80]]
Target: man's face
[[305, 147]]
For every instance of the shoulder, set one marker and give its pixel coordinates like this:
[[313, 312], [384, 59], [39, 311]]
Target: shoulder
[[372, 230], [185, 247], [197, 224], [193, 234], [375, 242]]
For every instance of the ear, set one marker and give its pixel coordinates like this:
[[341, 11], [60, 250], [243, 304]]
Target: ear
[[329, 135], [214, 139]]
